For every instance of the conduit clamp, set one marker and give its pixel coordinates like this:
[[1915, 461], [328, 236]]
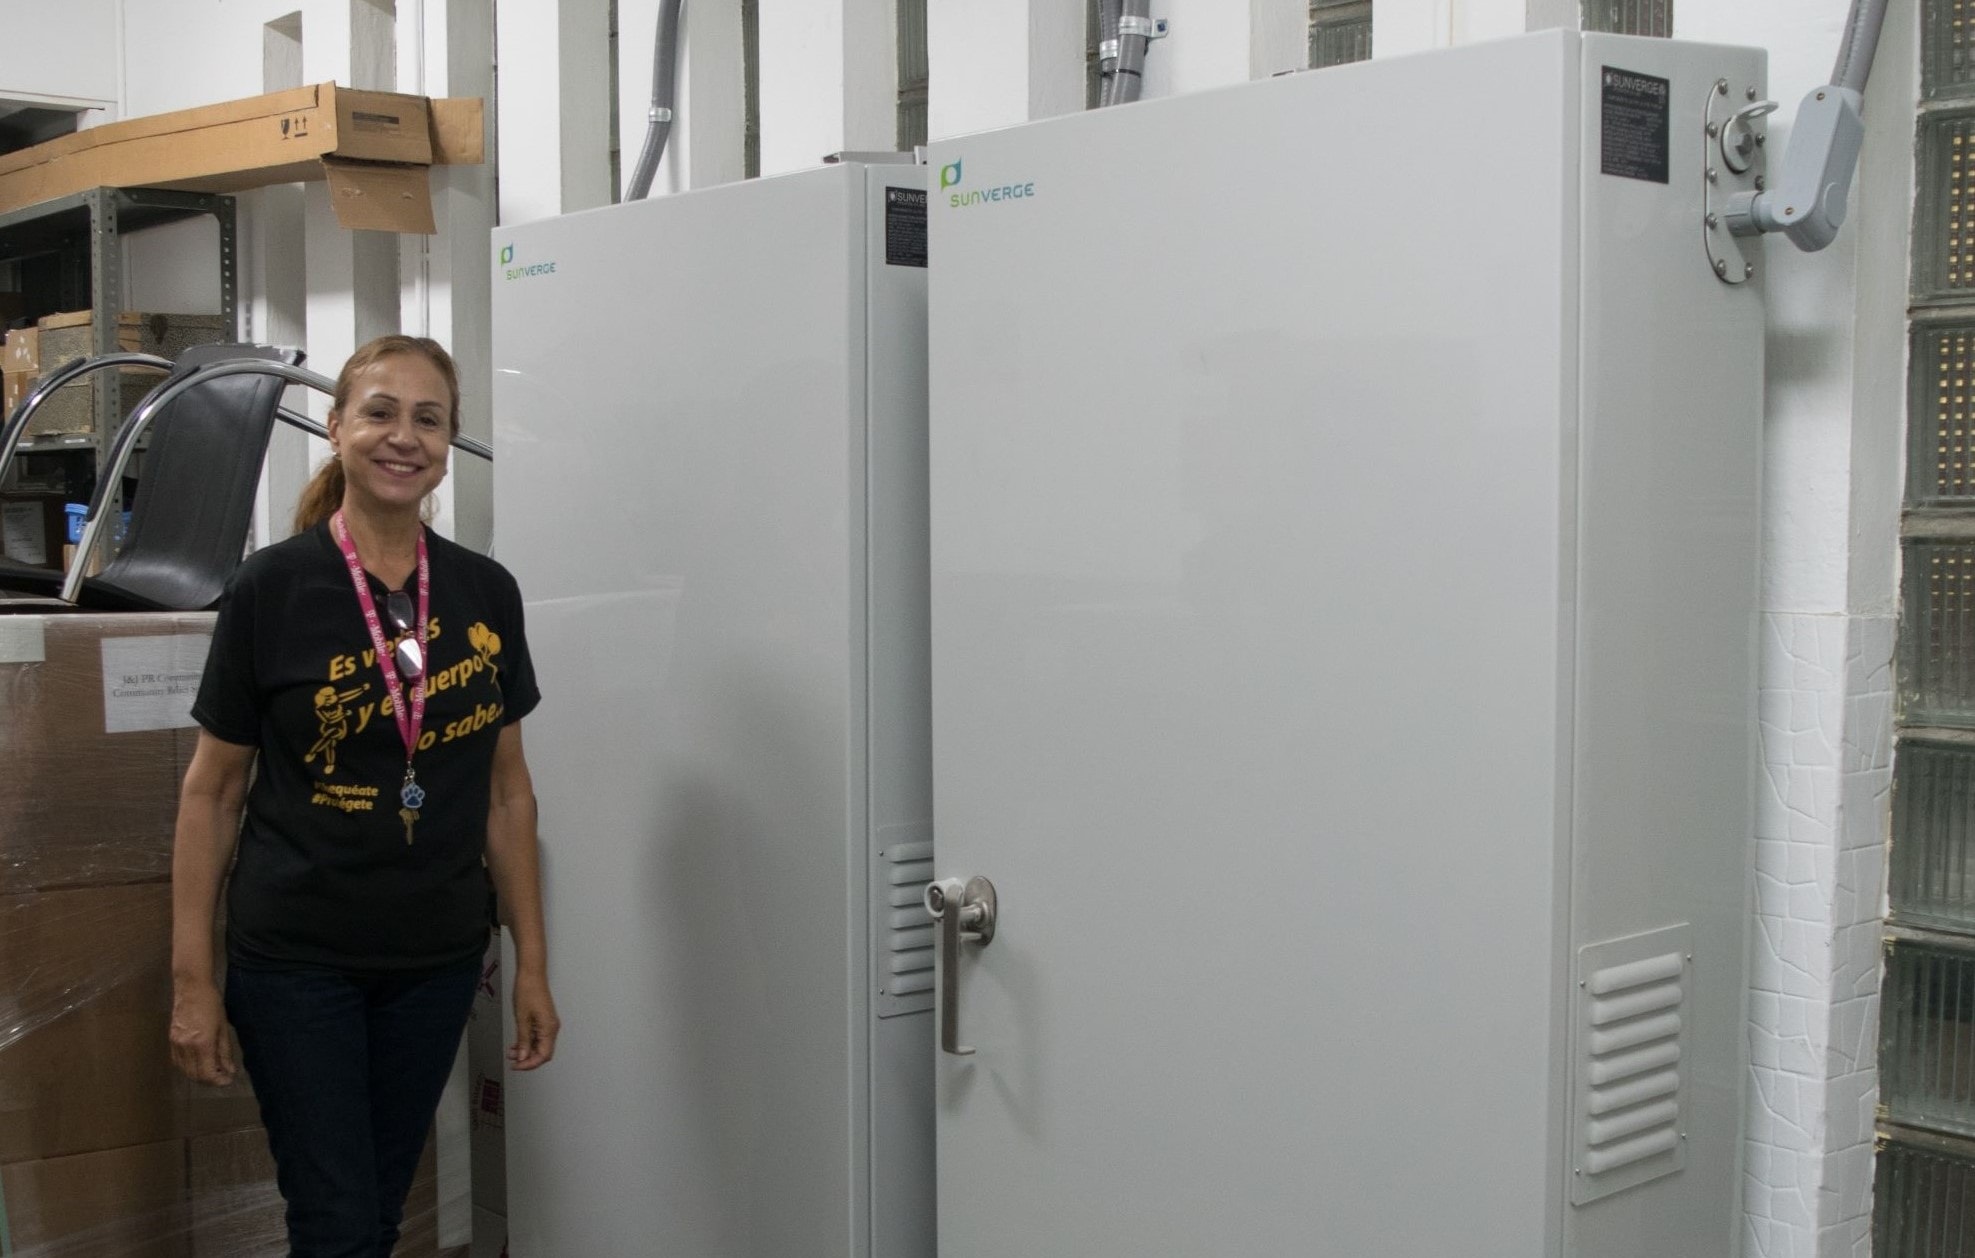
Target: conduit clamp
[[658, 113], [1143, 27]]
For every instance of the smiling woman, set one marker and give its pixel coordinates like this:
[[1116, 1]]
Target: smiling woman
[[364, 662]]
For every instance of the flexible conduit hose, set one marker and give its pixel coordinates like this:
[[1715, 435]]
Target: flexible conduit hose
[[1861, 42], [1107, 49], [1131, 53], [664, 86]]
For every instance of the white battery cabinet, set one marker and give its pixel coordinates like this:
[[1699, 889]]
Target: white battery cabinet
[[1344, 498], [711, 485]]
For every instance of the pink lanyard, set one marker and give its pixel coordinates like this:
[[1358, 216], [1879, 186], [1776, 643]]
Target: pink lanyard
[[409, 723]]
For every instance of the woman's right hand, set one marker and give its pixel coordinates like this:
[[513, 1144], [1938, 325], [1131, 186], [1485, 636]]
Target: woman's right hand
[[199, 1044]]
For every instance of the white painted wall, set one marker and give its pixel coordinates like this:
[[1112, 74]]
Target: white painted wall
[[67, 51], [554, 107], [1835, 366], [165, 39], [802, 43]]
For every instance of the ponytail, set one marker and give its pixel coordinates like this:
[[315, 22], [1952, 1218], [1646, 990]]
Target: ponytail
[[321, 497]]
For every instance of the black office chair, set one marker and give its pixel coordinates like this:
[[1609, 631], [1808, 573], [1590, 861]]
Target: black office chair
[[194, 506]]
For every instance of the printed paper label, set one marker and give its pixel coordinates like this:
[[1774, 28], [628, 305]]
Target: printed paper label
[[24, 532], [21, 640], [150, 683]]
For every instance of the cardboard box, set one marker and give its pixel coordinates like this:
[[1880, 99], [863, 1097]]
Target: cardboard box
[[85, 1010], [69, 336], [130, 1202], [21, 351], [90, 792], [372, 146], [14, 386]]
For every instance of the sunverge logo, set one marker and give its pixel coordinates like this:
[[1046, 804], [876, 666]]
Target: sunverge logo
[[524, 271], [950, 177]]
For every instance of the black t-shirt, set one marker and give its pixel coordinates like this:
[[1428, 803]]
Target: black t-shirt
[[324, 876]]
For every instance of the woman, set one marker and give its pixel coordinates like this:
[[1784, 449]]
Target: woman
[[379, 674]]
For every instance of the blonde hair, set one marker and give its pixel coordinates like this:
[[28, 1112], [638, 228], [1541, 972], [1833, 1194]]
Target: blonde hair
[[324, 493]]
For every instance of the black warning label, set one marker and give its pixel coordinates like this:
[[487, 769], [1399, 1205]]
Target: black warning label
[[905, 226], [1636, 111]]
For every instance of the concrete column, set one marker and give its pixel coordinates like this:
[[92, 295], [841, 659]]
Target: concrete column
[[554, 122], [447, 49], [996, 63], [274, 291], [1213, 43], [352, 276], [1278, 37], [829, 80], [1405, 26]]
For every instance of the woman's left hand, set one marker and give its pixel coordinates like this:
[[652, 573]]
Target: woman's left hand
[[535, 1023]]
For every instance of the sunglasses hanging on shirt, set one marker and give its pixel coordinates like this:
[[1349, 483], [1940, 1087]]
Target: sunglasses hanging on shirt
[[408, 655]]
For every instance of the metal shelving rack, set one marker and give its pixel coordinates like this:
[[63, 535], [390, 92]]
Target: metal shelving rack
[[83, 233]]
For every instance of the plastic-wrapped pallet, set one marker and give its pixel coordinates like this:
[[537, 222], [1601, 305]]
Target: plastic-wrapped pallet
[[104, 1149]]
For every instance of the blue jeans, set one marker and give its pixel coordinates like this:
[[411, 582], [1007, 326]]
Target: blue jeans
[[348, 1070]]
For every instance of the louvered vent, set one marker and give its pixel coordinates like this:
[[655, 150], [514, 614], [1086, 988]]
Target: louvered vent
[[901, 931], [1631, 1044]]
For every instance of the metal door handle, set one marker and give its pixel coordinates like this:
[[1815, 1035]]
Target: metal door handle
[[965, 911]]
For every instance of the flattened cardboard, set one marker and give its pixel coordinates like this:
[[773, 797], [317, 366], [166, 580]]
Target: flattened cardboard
[[380, 198]]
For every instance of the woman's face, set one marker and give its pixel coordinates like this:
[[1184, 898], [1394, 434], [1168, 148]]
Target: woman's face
[[395, 432]]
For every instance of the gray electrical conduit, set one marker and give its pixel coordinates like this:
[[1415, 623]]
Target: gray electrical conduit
[[1861, 42], [1133, 17], [1809, 191], [1107, 50], [664, 87]]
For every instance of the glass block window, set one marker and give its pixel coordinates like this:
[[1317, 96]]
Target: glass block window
[[1937, 633], [1340, 32], [1630, 17], [1933, 859], [1947, 58], [1943, 253], [1925, 1172], [914, 73], [1941, 415], [1927, 1045], [1925, 1204]]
